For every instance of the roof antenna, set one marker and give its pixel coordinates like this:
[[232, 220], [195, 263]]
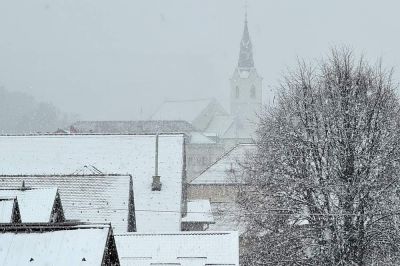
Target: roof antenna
[[156, 185]]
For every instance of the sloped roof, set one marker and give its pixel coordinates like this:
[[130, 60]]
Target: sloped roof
[[183, 248], [220, 125], [227, 217], [200, 138], [187, 110], [87, 170], [226, 170], [132, 154], [35, 205], [93, 198], [133, 127], [198, 211], [6, 209], [229, 127], [66, 247]]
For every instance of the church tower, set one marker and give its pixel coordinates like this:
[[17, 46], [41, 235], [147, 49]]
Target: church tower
[[246, 84]]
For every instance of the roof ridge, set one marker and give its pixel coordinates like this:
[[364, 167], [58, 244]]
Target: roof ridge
[[191, 100], [61, 175], [214, 163], [180, 233], [91, 134], [30, 189], [130, 121]]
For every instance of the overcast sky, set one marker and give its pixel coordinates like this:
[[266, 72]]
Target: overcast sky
[[109, 59]]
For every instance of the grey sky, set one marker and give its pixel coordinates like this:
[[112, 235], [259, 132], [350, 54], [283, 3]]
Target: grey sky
[[108, 59]]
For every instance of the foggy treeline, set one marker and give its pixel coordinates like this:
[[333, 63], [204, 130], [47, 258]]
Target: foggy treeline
[[21, 113]]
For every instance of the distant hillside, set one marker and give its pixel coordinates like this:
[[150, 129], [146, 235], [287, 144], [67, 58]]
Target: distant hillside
[[20, 113]]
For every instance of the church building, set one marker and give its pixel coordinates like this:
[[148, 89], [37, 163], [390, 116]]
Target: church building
[[209, 117], [211, 130]]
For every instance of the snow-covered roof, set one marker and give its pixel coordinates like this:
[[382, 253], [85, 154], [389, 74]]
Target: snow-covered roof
[[229, 127], [200, 138], [7, 206], [35, 205], [87, 170], [186, 110], [133, 154], [66, 247], [226, 169], [183, 248], [220, 124], [92, 198], [133, 127], [227, 217], [198, 211]]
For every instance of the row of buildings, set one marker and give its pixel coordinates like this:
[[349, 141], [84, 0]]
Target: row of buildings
[[105, 200], [155, 192]]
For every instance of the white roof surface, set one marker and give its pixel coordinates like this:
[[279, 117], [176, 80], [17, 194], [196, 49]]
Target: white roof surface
[[184, 248], [200, 138], [228, 127], [66, 247], [6, 210], [35, 205], [226, 170], [133, 154], [95, 199], [227, 217], [199, 211], [220, 124], [187, 110]]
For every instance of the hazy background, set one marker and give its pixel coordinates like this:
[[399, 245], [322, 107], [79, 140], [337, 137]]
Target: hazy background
[[108, 59]]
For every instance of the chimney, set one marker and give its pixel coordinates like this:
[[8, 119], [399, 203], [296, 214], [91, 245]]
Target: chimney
[[156, 184], [23, 187]]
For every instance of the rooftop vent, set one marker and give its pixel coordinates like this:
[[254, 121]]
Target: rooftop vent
[[23, 187], [156, 184]]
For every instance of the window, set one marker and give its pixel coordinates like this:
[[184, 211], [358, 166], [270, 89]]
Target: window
[[237, 92], [253, 92]]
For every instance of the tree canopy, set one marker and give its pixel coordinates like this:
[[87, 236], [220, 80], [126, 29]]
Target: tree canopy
[[323, 186]]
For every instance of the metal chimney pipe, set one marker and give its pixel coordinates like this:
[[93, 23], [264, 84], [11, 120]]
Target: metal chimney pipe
[[156, 184], [156, 159]]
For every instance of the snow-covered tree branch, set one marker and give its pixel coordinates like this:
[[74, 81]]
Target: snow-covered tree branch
[[323, 185]]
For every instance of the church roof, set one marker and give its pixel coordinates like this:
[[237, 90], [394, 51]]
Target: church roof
[[187, 110], [226, 170], [246, 49], [229, 127]]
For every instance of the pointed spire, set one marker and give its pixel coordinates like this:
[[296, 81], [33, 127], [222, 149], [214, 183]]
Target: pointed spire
[[246, 48]]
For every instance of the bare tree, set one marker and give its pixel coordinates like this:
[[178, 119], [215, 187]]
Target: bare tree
[[322, 189]]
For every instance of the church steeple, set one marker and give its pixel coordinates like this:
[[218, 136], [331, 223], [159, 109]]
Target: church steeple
[[246, 86], [246, 49]]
